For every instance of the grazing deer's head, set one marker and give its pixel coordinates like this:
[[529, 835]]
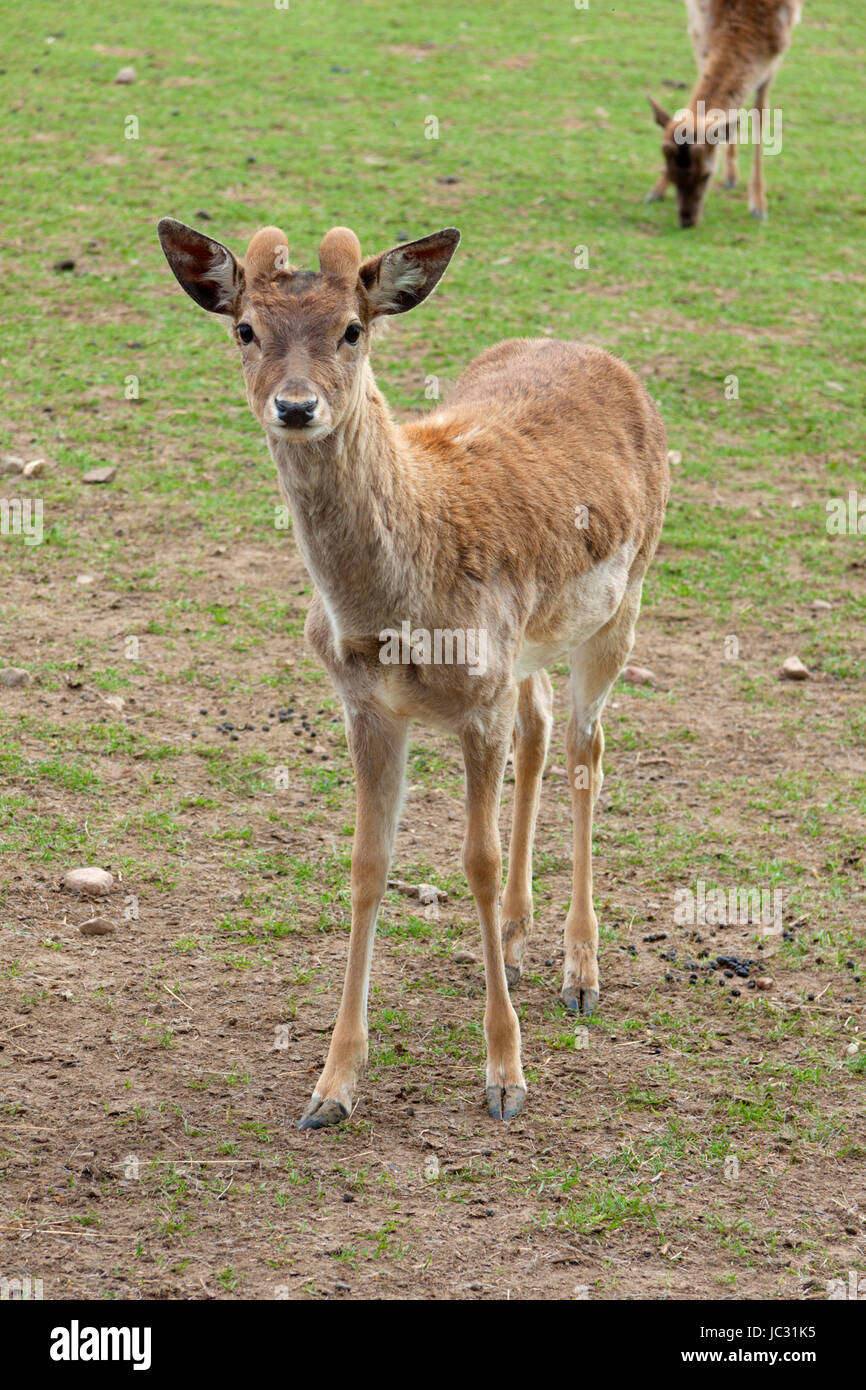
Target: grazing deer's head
[[304, 335], [690, 145]]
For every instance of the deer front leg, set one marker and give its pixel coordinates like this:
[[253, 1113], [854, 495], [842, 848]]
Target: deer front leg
[[757, 192], [378, 749], [731, 164], [484, 756], [659, 188]]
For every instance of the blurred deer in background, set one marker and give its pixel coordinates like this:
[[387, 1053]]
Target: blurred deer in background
[[524, 511], [739, 45]]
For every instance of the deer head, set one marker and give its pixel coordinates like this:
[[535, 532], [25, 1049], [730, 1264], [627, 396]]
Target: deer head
[[690, 146], [303, 335]]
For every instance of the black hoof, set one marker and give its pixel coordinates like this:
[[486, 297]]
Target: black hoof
[[505, 1102], [321, 1113], [579, 1001]]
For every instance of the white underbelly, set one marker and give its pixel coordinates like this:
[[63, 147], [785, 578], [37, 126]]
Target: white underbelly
[[593, 599]]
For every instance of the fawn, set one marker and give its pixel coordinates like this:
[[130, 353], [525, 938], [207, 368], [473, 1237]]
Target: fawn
[[527, 508], [739, 45]]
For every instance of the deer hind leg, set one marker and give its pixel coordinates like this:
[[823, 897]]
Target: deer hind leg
[[757, 192], [531, 738], [594, 668], [484, 756], [378, 749]]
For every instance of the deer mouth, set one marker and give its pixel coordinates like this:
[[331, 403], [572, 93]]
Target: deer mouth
[[302, 434]]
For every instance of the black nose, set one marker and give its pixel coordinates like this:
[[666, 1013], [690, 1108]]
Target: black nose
[[296, 414]]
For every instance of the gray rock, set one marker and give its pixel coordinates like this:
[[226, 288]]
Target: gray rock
[[90, 882], [14, 676], [97, 926]]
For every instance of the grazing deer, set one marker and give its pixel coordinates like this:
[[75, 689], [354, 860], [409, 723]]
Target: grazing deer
[[739, 44], [526, 509]]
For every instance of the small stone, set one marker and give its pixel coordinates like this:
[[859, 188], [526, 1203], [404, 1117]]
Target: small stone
[[12, 464], [793, 670], [84, 579], [463, 958], [14, 676], [97, 926], [852, 1049], [764, 982], [425, 892], [125, 76], [820, 605], [674, 456], [638, 675], [99, 475], [91, 882], [35, 468], [114, 702]]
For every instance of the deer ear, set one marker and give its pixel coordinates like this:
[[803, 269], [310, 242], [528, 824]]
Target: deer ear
[[399, 279], [661, 116], [205, 268]]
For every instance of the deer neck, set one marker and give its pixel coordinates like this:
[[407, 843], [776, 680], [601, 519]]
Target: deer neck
[[356, 514], [725, 81]]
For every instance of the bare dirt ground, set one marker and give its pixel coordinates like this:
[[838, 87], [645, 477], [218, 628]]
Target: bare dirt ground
[[702, 1138]]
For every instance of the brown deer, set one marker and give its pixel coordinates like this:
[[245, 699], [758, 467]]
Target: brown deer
[[739, 45], [525, 511]]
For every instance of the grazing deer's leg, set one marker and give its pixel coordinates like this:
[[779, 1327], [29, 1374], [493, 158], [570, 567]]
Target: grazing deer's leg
[[484, 756], [531, 738], [594, 668], [730, 165], [659, 188], [757, 194], [378, 749]]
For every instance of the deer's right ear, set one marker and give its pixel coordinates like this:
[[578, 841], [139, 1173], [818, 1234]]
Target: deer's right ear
[[205, 268], [661, 116]]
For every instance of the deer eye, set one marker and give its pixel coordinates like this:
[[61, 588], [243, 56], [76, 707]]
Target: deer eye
[[245, 333], [352, 333]]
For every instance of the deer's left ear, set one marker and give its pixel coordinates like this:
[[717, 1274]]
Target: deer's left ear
[[661, 116], [205, 268], [399, 279]]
